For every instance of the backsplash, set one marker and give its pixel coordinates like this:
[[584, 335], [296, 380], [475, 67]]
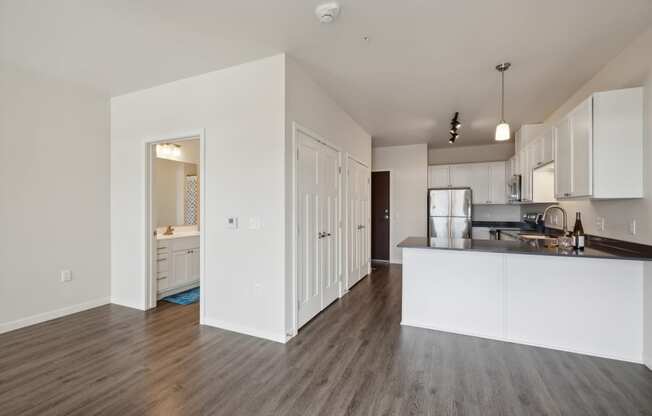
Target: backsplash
[[496, 213]]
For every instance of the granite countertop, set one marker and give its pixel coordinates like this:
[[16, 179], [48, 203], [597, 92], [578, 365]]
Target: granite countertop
[[517, 247]]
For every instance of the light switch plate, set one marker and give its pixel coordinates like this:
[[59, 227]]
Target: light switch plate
[[232, 223], [66, 275], [255, 223]]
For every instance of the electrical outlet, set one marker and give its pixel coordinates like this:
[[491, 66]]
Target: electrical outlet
[[66, 275], [599, 224], [632, 227]]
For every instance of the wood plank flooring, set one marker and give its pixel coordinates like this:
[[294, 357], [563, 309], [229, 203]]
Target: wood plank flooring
[[353, 359]]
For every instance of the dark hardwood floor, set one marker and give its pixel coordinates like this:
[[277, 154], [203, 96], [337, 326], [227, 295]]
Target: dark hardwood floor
[[353, 359]]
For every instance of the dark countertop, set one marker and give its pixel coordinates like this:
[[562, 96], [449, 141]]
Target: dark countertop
[[517, 247]]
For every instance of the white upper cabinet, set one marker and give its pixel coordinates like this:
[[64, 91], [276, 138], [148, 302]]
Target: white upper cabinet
[[599, 147], [498, 185], [438, 176], [563, 172], [580, 121], [548, 143], [486, 180]]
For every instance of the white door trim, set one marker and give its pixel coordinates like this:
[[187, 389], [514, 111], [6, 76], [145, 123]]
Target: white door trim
[[295, 183], [150, 241]]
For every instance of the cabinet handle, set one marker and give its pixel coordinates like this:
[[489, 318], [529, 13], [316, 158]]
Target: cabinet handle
[[161, 277]]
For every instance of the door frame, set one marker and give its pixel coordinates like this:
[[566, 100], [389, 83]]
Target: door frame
[[150, 240], [391, 210], [296, 127], [350, 159]]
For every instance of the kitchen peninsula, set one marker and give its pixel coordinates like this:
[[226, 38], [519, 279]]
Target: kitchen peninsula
[[588, 302]]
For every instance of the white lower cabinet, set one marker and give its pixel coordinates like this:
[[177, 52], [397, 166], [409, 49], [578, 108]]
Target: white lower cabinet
[[177, 264]]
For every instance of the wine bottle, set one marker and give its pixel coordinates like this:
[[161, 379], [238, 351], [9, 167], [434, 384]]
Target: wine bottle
[[578, 233]]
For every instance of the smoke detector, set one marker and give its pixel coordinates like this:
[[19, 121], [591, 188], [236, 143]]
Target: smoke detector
[[327, 12]]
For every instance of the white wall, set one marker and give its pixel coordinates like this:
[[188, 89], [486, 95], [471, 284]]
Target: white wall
[[310, 106], [241, 110], [632, 67], [469, 154], [54, 197], [408, 197]]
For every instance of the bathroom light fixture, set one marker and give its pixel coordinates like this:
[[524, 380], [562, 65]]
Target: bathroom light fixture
[[502, 129], [167, 150]]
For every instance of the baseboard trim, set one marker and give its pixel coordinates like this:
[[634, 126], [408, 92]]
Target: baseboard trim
[[281, 338], [638, 360], [48, 316]]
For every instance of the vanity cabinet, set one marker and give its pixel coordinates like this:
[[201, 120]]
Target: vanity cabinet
[[177, 265], [486, 180], [599, 147]]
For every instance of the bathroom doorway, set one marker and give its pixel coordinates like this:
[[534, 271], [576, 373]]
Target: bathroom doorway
[[175, 227]]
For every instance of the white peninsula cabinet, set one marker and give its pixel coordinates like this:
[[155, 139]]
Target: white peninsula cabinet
[[486, 180], [599, 147]]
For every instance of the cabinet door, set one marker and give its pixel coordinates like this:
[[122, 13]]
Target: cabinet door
[[581, 120], [438, 176], [461, 176], [548, 146], [193, 265], [563, 159], [537, 152], [525, 174], [481, 183], [498, 185], [180, 268]]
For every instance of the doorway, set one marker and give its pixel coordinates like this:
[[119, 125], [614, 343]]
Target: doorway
[[174, 232], [380, 215]]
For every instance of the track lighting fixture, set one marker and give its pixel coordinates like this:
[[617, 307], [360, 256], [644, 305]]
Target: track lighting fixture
[[455, 125]]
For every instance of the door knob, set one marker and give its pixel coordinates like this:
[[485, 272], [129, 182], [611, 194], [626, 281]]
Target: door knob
[[386, 217]]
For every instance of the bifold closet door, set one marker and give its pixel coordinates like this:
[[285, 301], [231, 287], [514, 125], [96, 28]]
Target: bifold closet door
[[329, 186], [358, 229], [318, 190]]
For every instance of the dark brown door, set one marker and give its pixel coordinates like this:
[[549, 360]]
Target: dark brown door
[[380, 216]]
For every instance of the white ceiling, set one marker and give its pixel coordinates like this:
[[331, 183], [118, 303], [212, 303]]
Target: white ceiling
[[425, 59]]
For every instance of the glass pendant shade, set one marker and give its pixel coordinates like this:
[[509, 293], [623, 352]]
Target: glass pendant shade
[[502, 132]]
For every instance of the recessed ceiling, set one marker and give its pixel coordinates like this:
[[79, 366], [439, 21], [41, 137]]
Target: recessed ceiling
[[423, 60]]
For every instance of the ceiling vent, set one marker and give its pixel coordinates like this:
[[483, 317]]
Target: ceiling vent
[[327, 12]]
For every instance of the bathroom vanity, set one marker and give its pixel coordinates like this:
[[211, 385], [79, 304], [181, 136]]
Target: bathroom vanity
[[177, 262]]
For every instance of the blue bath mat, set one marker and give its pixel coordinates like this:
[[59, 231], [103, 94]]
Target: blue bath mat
[[184, 298]]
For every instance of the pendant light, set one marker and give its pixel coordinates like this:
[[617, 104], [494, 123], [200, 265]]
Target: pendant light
[[502, 129]]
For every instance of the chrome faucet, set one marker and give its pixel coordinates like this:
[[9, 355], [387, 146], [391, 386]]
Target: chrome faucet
[[563, 212]]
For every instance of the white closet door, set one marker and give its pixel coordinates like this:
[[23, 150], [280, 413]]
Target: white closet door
[[329, 201], [358, 211], [309, 292]]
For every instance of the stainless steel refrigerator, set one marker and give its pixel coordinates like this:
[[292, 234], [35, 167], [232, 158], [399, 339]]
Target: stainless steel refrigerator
[[449, 212]]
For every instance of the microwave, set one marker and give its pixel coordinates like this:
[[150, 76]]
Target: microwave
[[514, 187]]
